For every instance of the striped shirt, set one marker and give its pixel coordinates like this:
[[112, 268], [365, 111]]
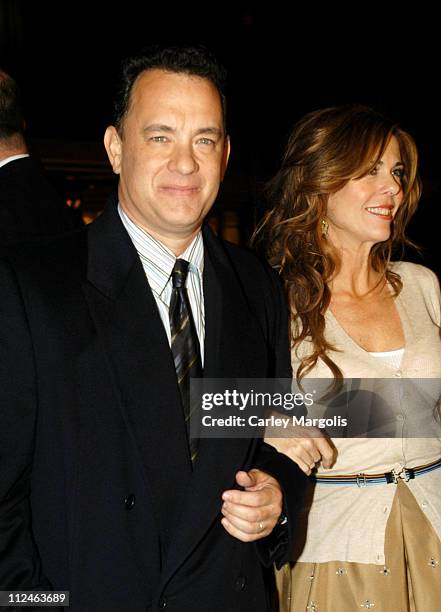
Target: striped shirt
[[158, 261]]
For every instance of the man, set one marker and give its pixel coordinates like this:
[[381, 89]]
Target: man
[[122, 512], [29, 206]]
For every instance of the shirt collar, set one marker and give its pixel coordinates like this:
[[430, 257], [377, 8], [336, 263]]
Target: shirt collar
[[11, 158], [157, 259]]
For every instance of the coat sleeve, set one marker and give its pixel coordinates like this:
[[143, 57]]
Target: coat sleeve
[[276, 311], [20, 566], [278, 546]]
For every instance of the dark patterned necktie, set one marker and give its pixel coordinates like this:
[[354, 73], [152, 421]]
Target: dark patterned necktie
[[184, 344]]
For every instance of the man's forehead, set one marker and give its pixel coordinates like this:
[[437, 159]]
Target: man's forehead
[[169, 81], [160, 91]]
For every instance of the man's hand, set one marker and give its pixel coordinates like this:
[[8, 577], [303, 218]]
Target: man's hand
[[252, 514]]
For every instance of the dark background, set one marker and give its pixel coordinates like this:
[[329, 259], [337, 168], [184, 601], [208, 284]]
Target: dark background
[[282, 62]]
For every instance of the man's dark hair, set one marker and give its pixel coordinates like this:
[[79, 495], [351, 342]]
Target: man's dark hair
[[11, 115], [194, 61]]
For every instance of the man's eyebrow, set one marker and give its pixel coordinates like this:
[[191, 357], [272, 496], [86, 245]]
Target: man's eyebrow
[[209, 130], [158, 127]]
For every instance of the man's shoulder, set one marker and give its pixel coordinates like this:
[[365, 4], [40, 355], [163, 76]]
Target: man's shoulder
[[17, 168], [247, 262], [13, 178], [258, 281], [55, 254], [27, 194], [243, 254]]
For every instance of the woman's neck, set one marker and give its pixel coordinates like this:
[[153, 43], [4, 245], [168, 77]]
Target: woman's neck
[[355, 276]]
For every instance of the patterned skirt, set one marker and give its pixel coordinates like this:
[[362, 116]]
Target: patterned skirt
[[409, 582]]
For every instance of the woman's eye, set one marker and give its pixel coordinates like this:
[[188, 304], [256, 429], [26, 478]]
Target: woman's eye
[[398, 172]]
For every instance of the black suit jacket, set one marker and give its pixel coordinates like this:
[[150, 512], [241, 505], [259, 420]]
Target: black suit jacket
[[29, 205], [97, 495]]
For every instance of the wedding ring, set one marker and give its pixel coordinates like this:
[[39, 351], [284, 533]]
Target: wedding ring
[[261, 526]]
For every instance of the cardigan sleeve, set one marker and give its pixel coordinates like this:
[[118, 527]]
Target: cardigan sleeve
[[430, 288]]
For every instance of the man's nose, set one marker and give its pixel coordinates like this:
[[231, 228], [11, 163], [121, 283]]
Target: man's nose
[[183, 160]]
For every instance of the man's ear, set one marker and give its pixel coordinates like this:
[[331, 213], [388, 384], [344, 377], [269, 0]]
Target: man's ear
[[113, 144], [225, 156]]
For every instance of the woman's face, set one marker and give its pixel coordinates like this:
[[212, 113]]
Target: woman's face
[[362, 211]]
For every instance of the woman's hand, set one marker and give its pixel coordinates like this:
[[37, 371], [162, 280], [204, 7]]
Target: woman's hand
[[306, 446]]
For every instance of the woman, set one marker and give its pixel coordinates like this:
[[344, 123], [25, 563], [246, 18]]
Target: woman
[[342, 199]]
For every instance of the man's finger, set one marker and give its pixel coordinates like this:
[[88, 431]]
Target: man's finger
[[263, 497], [249, 526], [241, 535], [251, 514], [246, 479]]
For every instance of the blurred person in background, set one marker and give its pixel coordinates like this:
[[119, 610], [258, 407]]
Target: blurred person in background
[[29, 205]]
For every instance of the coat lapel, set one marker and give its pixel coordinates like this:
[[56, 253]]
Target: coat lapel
[[128, 323]]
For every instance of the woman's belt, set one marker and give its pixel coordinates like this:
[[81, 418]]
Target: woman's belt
[[366, 480]]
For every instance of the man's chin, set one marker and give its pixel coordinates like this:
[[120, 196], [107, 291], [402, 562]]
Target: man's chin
[[184, 222]]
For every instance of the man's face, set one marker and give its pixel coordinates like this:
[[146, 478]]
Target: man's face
[[171, 155]]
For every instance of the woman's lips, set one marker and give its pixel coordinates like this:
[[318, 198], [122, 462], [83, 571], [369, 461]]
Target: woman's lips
[[384, 212]]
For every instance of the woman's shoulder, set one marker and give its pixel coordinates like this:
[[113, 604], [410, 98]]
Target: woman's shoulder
[[420, 288], [415, 273]]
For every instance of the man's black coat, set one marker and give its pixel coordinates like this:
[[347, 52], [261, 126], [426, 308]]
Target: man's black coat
[[29, 205], [97, 495]]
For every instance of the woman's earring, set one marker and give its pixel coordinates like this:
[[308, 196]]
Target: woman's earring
[[325, 227]]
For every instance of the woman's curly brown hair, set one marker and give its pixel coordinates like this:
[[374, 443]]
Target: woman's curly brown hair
[[326, 149]]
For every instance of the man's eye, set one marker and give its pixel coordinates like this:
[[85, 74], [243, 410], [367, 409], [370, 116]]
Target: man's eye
[[158, 139], [206, 141]]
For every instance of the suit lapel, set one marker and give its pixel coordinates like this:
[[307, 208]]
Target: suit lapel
[[127, 321]]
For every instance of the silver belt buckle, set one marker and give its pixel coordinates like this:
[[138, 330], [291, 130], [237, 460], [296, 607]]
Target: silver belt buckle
[[361, 480], [403, 473]]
